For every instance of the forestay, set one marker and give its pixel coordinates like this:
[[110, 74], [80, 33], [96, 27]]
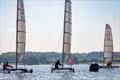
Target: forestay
[[20, 31], [108, 44]]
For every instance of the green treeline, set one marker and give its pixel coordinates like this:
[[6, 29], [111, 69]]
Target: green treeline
[[34, 58]]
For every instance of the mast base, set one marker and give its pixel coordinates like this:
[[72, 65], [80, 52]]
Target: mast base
[[70, 69]]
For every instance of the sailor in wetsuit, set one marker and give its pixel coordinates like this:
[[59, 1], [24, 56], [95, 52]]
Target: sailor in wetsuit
[[6, 66], [109, 64], [57, 63]]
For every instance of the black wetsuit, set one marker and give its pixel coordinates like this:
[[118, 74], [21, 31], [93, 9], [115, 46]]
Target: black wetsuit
[[56, 64], [7, 67], [109, 64]]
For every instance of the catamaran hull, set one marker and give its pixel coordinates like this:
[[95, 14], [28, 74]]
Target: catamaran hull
[[69, 69], [109, 67], [22, 70], [18, 70]]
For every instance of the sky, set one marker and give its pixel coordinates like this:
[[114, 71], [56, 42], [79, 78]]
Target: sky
[[44, 24]]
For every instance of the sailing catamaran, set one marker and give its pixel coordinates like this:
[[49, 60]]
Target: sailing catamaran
[[20, 36], [108, 48], [66, 36]]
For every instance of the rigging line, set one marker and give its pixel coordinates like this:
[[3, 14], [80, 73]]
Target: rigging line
[[59, 40], [10, 44], [119, 32], [0, 40], [11, 40], [57, 45]]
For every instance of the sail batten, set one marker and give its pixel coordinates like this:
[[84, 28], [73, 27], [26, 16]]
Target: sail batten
[[108, 44], [20, 31], [67, 32]]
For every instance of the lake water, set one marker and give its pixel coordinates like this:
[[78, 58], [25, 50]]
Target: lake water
[[43, 72]]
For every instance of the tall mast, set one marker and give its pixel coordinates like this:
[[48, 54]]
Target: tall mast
[[67, 32], [20, 32], [108, 45]]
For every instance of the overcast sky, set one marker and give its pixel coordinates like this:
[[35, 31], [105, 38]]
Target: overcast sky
[[44, 24]]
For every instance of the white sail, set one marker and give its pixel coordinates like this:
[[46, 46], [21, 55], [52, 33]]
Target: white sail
[[67, 31], [108, 44], [21, 31]]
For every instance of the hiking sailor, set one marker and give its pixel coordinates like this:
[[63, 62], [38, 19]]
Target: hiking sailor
[[6, 66]]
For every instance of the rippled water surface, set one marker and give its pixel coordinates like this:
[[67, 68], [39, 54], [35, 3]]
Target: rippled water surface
[[43, 72]]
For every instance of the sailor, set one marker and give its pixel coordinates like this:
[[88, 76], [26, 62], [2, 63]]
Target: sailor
[[57, 63], [6, 66], [109, 64]]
